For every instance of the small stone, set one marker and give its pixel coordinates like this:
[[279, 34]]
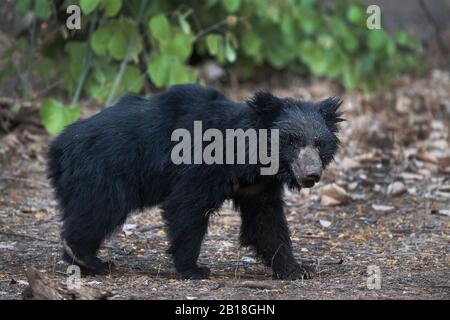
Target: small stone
[[325, 223], [396, 189], [382, 208]]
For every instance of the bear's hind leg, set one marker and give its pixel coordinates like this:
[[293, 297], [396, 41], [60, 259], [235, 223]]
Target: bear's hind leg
[[81, 241], [84, 230], [89, 263]]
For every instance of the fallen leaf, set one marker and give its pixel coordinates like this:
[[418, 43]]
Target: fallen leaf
[[426, 156], [444, 164], [11, 141], [445, 188], [348, 163], [333, 195]]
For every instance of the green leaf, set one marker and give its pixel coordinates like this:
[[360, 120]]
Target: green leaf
[[42, 9], [132, 79], [307, 50], [349, 77], [99, 92], [335, 65], [180, 73], [368, 62], [390, 47], [87, 6], [129, 30], [212, 3], [230, 53], [376, 39], [344, 35], [251, 44], [351, 43], [77, 52], [112, 7], [100, 39], [288, 26], [276, 59], [213, 42], [355, 14], [160, 27], [100, 81], [167, 70], [158, 69], [23, 5], [326, 41], [274, 13], [308, 25], [117, 45], [231, 5], [402, 38], [55, 116], [319, 64], [307, 3], [180, 45], [184, 24]]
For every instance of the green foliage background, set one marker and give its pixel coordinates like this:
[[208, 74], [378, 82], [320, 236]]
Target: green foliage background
[[124, 46]]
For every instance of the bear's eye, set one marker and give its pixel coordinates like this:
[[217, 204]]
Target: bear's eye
[[291, 140], [318, 143]]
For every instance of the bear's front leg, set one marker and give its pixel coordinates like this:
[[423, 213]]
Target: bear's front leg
[[264, 227]]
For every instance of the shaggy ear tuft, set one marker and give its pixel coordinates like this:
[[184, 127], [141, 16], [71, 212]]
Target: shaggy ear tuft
[[329, 110], [265, 104]]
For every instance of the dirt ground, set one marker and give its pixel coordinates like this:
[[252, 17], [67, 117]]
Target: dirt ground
[[384, 203]]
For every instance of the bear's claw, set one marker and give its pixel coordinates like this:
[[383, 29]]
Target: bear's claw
[[302, 272]]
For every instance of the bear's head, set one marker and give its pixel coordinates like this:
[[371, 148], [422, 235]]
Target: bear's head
[[307, 135]]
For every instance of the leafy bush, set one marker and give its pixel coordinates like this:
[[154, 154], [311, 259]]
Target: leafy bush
[[126, 45]]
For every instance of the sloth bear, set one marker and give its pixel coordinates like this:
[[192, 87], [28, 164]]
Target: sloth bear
[[121, 160]]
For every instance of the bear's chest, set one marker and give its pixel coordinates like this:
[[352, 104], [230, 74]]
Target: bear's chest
[[249, 189]]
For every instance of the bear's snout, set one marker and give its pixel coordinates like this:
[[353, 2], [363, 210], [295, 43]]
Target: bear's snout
[[312, 176], [307, 167]]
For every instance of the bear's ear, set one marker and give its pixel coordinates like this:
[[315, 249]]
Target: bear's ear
[[329, 110], [265, 105]]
